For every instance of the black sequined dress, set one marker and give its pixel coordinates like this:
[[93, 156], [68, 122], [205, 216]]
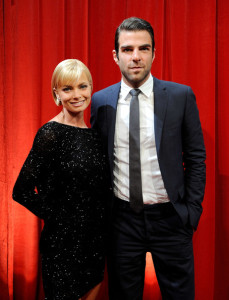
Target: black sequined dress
[[64, 181]]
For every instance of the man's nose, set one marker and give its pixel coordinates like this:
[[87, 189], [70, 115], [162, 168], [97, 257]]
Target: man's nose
[[136, 55]]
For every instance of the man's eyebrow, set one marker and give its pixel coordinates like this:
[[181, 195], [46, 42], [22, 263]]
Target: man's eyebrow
[[130, 46], [146, 45], [126, 46]]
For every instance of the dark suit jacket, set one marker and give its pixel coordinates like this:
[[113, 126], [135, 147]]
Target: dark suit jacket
[[179, 142]]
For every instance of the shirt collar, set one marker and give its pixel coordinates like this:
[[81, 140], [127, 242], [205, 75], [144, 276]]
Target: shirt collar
[[146, 88]]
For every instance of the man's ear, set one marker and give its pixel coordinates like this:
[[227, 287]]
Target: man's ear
[[115, 57], [154, 53]]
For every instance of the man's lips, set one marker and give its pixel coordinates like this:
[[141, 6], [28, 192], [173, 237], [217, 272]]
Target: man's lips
[[136, 68]]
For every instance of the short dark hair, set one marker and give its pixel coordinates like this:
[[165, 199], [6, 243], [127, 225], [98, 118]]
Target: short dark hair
[[133, 24]]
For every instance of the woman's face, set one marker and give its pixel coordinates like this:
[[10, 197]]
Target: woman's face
[[75, 98]]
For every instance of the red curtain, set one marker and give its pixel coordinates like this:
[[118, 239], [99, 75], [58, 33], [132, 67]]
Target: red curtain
[[192, 41]]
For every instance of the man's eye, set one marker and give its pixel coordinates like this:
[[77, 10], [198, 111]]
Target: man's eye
[[145, 48], [127, 50]]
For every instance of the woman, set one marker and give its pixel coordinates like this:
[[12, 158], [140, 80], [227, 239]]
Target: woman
[[64, 181]]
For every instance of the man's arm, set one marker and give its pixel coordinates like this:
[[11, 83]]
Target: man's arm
[[93, 119], [194, 156]]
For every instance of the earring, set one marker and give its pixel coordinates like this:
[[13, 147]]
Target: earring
[[59, 101]]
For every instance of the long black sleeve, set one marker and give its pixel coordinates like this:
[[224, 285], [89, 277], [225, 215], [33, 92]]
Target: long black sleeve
[[27, 190]]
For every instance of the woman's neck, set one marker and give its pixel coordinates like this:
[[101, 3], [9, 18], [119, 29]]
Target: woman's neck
[[71, 119]]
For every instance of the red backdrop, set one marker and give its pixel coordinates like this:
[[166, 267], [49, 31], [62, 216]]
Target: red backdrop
[[192, 43]]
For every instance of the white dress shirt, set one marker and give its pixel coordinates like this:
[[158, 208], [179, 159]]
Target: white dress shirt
[[152, 184]]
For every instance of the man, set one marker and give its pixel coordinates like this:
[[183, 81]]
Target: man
[[152, 133]]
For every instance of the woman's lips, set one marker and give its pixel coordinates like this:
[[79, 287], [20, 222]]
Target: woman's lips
[[77, 103]]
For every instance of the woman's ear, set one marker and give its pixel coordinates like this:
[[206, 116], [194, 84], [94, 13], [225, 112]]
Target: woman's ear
[[56, 93]]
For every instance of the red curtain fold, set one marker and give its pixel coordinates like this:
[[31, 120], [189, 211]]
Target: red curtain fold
[[221, 262], [191, 48]]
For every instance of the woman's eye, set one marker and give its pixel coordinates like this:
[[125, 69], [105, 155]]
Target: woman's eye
[[66, 89]]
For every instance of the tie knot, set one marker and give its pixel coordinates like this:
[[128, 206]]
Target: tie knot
[[135, 92]]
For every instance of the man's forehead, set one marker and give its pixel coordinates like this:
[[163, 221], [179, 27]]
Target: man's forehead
[[128, 37]]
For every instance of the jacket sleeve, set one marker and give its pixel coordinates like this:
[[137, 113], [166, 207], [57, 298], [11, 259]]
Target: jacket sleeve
[[93, 119], [194, 159]]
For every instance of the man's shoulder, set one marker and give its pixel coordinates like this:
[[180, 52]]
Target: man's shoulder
[[170, 84], [107, 90]]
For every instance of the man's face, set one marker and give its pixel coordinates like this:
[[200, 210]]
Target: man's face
[[135, 57]]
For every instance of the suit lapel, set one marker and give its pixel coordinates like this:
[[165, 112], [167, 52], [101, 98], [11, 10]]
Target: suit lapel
[[160, 106], [112, 101], [111, 106]]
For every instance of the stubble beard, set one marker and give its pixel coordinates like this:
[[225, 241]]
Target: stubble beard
[[135, 80]]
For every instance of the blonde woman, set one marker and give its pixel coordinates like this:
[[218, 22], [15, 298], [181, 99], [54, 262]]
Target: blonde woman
[[64, 181]]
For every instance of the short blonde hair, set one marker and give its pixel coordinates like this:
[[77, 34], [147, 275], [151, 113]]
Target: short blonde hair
[[68, 72]]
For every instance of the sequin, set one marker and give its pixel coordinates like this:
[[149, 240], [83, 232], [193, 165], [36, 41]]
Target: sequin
[[67, 168]]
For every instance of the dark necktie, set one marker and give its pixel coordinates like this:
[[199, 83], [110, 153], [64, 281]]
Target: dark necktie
[[135, 181]]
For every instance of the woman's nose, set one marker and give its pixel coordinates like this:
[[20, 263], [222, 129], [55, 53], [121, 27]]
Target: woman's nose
[[76, 93]]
